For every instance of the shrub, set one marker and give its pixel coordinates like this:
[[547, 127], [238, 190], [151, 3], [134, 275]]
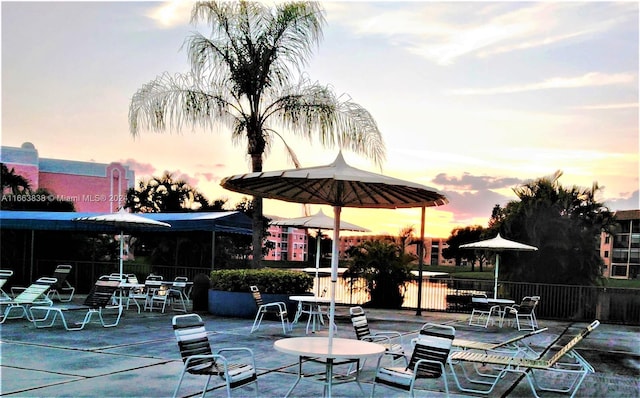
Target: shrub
[[267, 280]]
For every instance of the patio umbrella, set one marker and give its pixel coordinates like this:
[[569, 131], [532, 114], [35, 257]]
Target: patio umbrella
[[123, 220], [317, 221], [498, 244], [339, 185]]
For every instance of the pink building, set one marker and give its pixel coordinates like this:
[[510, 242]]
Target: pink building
[[291, 244], [92, 187], [432, 255]]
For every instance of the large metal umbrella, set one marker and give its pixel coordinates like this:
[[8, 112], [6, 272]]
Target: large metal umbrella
[[123, 220], [498, 244], [317, 221], [339, 185]]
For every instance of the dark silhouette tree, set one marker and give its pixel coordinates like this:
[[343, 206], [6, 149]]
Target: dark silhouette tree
[[247, 76], [385, 267], [460, 236], [165, 195], [564, 223]]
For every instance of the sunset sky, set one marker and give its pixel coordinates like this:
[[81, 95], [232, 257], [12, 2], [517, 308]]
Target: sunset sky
[[472, 98]]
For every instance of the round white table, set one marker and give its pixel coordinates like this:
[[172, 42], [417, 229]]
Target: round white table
[[503, 303], [310, 305], [317, 349]]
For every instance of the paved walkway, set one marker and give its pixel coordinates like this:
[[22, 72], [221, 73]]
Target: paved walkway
[[139, 358]]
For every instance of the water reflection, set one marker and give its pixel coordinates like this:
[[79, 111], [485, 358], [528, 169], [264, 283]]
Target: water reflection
[[353, 292]]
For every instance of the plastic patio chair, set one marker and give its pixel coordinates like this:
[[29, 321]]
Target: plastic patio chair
[[361, 327], [524, 311], [199, 358], [427, 361], [278, 308], [482, 311]]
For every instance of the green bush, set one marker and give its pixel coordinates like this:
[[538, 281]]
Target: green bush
[[267, 280]]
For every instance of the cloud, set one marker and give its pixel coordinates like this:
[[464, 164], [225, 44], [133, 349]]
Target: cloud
[[445, 32], [208, 176], [476, 183], [179, 175], [139, 168], [467, 206], [592, 79], [171, 13], [632, 202], [626, 105]]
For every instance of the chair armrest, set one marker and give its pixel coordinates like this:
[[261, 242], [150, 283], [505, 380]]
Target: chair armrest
[[281, 305], [389, 333], [246, 350]]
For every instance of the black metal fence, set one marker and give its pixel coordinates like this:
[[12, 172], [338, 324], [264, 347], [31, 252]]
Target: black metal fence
[[577, 303]]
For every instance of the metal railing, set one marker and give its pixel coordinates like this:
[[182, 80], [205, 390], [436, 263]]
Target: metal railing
[[578, 303]]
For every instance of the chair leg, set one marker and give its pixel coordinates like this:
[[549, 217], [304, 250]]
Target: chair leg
[[257, 320]]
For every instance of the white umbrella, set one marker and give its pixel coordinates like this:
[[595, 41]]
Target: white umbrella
[[338, 185], [498, 244], [123, 220], [317, 221]]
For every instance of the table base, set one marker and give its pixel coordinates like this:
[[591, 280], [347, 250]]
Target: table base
[[327, 378]]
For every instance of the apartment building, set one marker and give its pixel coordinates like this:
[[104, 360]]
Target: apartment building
[[91, 186], [291, 244], [432, 255], [621, 250]]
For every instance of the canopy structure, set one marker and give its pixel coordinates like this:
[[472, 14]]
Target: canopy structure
[[213, 222], [224, 221]]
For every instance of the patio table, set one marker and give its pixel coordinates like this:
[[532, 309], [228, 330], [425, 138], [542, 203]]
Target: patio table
[[318, 349], [502, 303], [309, 305]]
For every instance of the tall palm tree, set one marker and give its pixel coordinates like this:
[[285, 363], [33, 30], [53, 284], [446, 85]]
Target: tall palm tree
[[247, 76]]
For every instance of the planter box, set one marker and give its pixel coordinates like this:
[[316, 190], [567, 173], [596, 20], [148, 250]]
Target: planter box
[[242, 305]]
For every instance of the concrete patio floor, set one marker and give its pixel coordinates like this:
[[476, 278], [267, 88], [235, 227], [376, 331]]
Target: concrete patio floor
[[140, 358]]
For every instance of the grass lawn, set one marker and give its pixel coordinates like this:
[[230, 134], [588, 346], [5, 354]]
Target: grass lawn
[[466, 273]]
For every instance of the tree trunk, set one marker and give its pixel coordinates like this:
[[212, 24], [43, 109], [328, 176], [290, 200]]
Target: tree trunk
[[256, 241]]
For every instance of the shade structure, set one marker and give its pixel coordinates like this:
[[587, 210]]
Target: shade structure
[[318, 221], [498, 244], [124, 221], [338, 185]]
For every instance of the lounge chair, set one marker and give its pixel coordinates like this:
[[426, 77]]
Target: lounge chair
[[277, 308], [529, 368], [361, 327], [97, 301], [5, 274], [61, 273], [199, 359], [482, 311], [427, 361], [35, 294]]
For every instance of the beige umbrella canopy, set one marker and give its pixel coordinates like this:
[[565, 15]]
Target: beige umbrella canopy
[[338, 185], [123, 220], [498, 244], [317, 221]]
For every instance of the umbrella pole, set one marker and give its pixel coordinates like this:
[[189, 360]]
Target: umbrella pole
[[318, 238], [121, 260], [420, 263], [334, 271], [495, 277]]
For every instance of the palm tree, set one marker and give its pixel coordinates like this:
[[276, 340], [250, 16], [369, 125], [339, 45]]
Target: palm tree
[[247, 76], [13, 183]]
